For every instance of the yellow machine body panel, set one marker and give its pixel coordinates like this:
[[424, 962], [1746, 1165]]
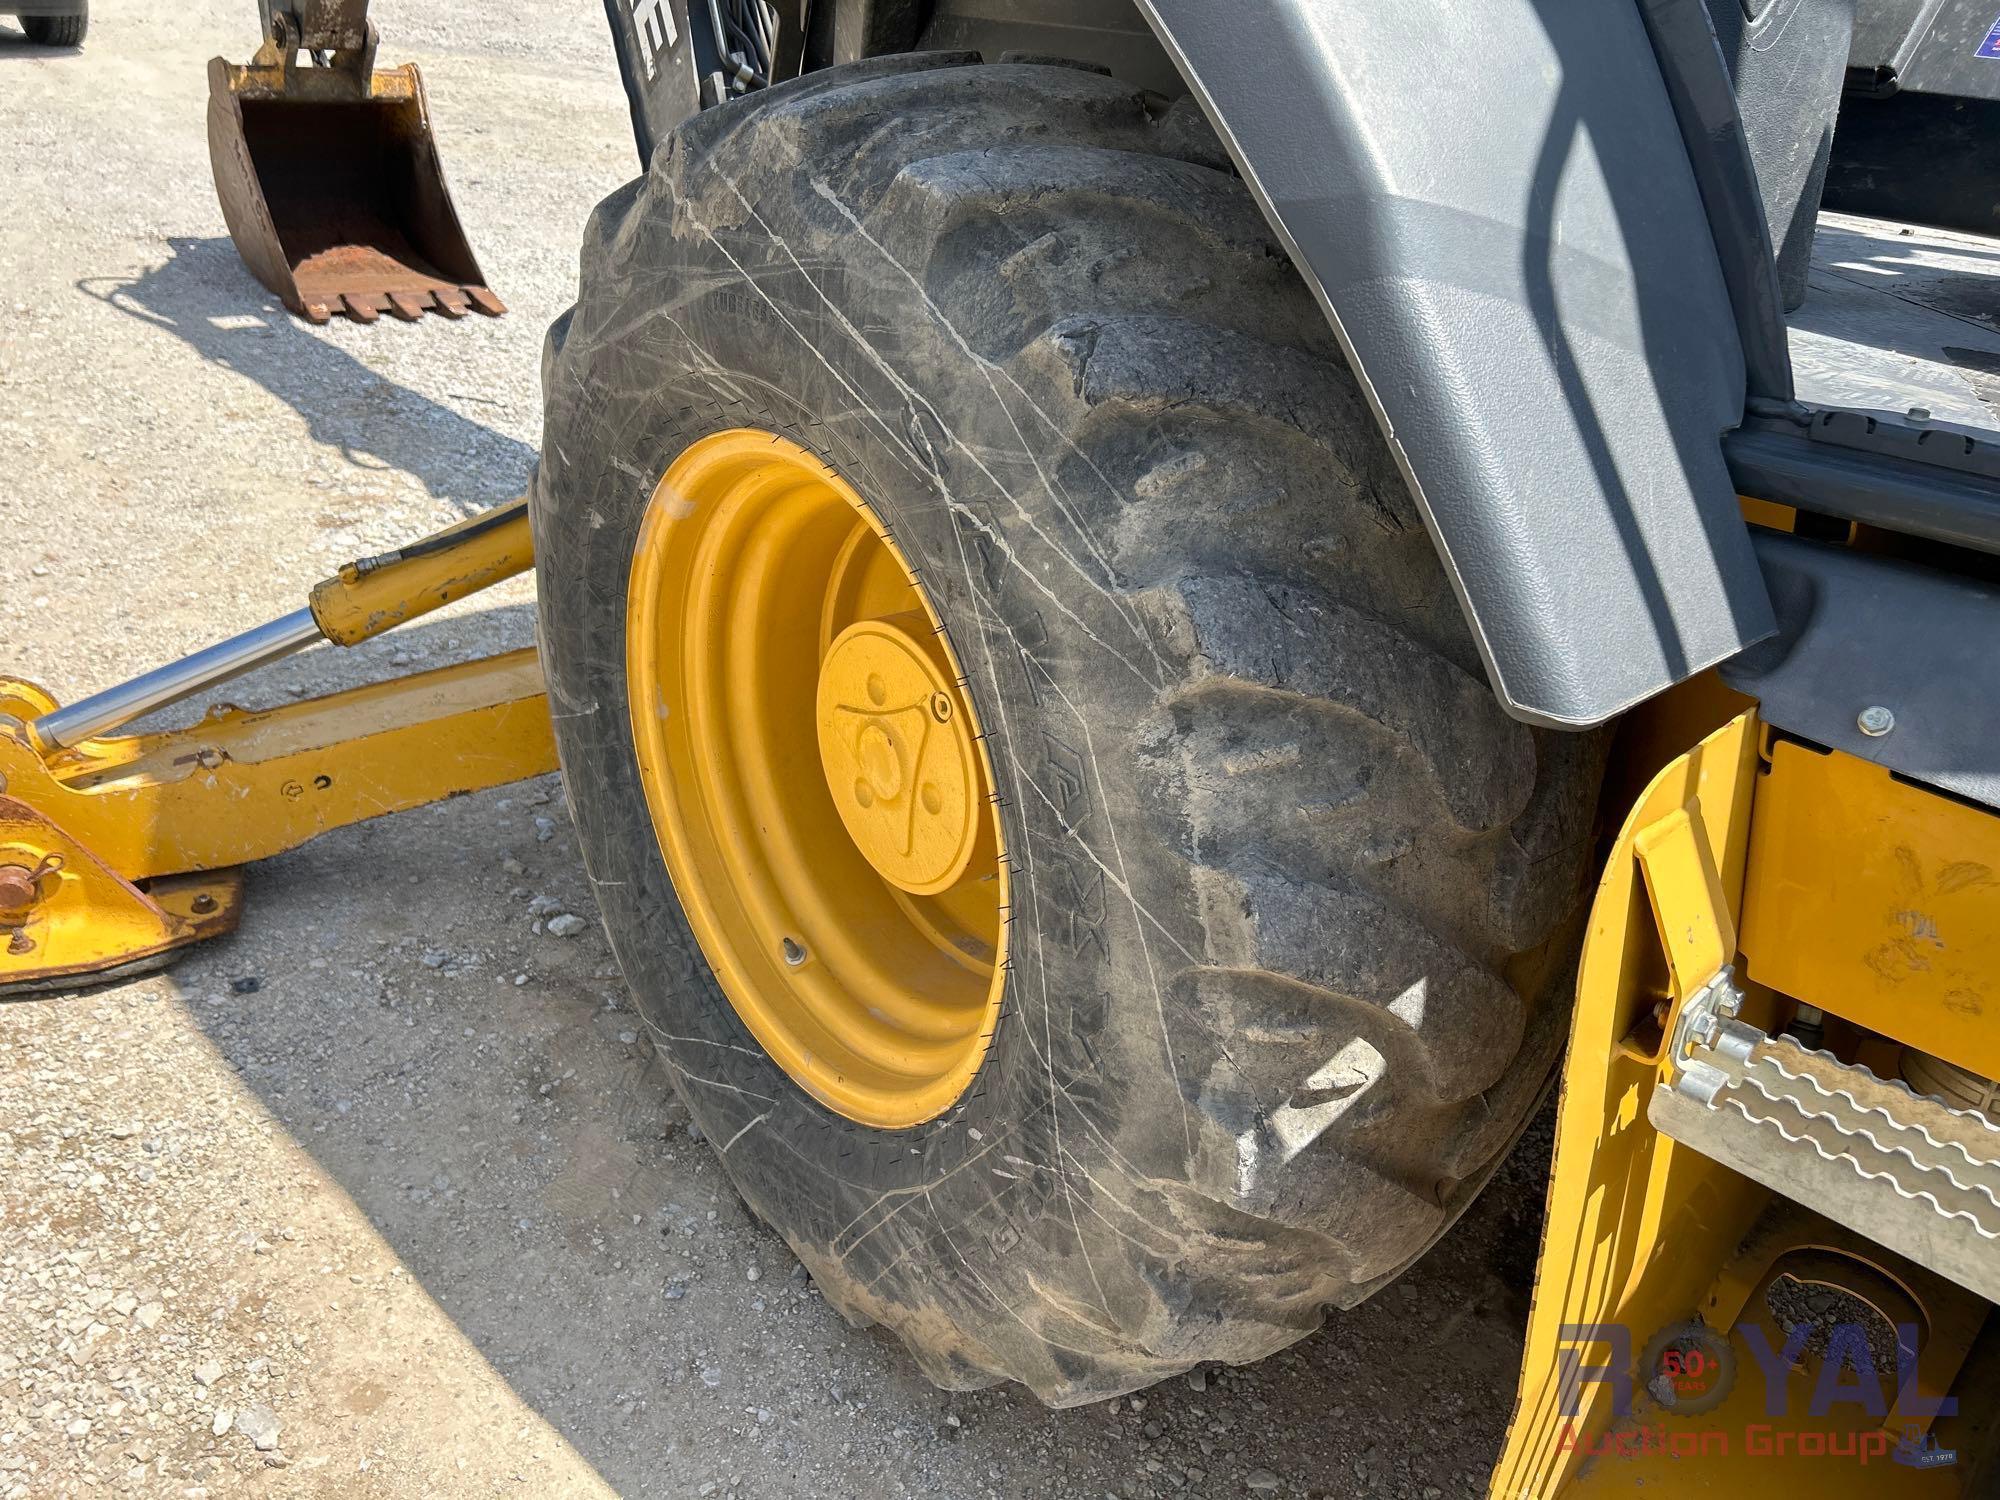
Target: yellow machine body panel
[[1879, 902], [1624, 1203], [1656, 1257]]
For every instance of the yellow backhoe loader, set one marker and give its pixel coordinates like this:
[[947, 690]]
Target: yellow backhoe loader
[[1156, 614]]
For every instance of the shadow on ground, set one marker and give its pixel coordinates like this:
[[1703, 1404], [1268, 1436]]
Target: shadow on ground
[[484, 1094], [203, 294]]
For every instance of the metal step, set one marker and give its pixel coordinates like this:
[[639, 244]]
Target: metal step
[[1909, 1171]]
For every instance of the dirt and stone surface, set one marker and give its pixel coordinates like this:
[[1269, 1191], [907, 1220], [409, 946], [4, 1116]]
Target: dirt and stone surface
[[386, 1195]]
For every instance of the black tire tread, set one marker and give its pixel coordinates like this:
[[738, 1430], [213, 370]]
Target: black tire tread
[[1359, 822], [57, 31]]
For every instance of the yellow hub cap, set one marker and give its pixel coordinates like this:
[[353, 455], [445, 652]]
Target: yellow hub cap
[[899, 759], [816, 779]]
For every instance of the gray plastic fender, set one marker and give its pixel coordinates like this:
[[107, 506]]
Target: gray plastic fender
[[1494, 205]]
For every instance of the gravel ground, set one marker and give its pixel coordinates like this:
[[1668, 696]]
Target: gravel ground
[[386, 1195]]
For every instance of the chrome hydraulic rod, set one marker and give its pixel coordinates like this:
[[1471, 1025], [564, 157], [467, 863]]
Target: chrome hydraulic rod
[[362, 600], [105, 711]]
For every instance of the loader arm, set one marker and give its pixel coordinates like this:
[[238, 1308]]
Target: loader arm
[[1496, 208]]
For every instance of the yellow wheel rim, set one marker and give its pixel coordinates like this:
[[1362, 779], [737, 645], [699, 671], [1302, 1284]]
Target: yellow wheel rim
[[816, 778]]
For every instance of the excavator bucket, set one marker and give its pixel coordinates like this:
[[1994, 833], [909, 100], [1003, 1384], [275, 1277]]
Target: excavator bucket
[[330, 180]]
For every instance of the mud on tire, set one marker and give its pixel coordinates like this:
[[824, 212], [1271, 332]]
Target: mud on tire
[[1294, 902]]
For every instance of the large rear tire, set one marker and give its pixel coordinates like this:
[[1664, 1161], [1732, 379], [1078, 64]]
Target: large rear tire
[[1293, 902]]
